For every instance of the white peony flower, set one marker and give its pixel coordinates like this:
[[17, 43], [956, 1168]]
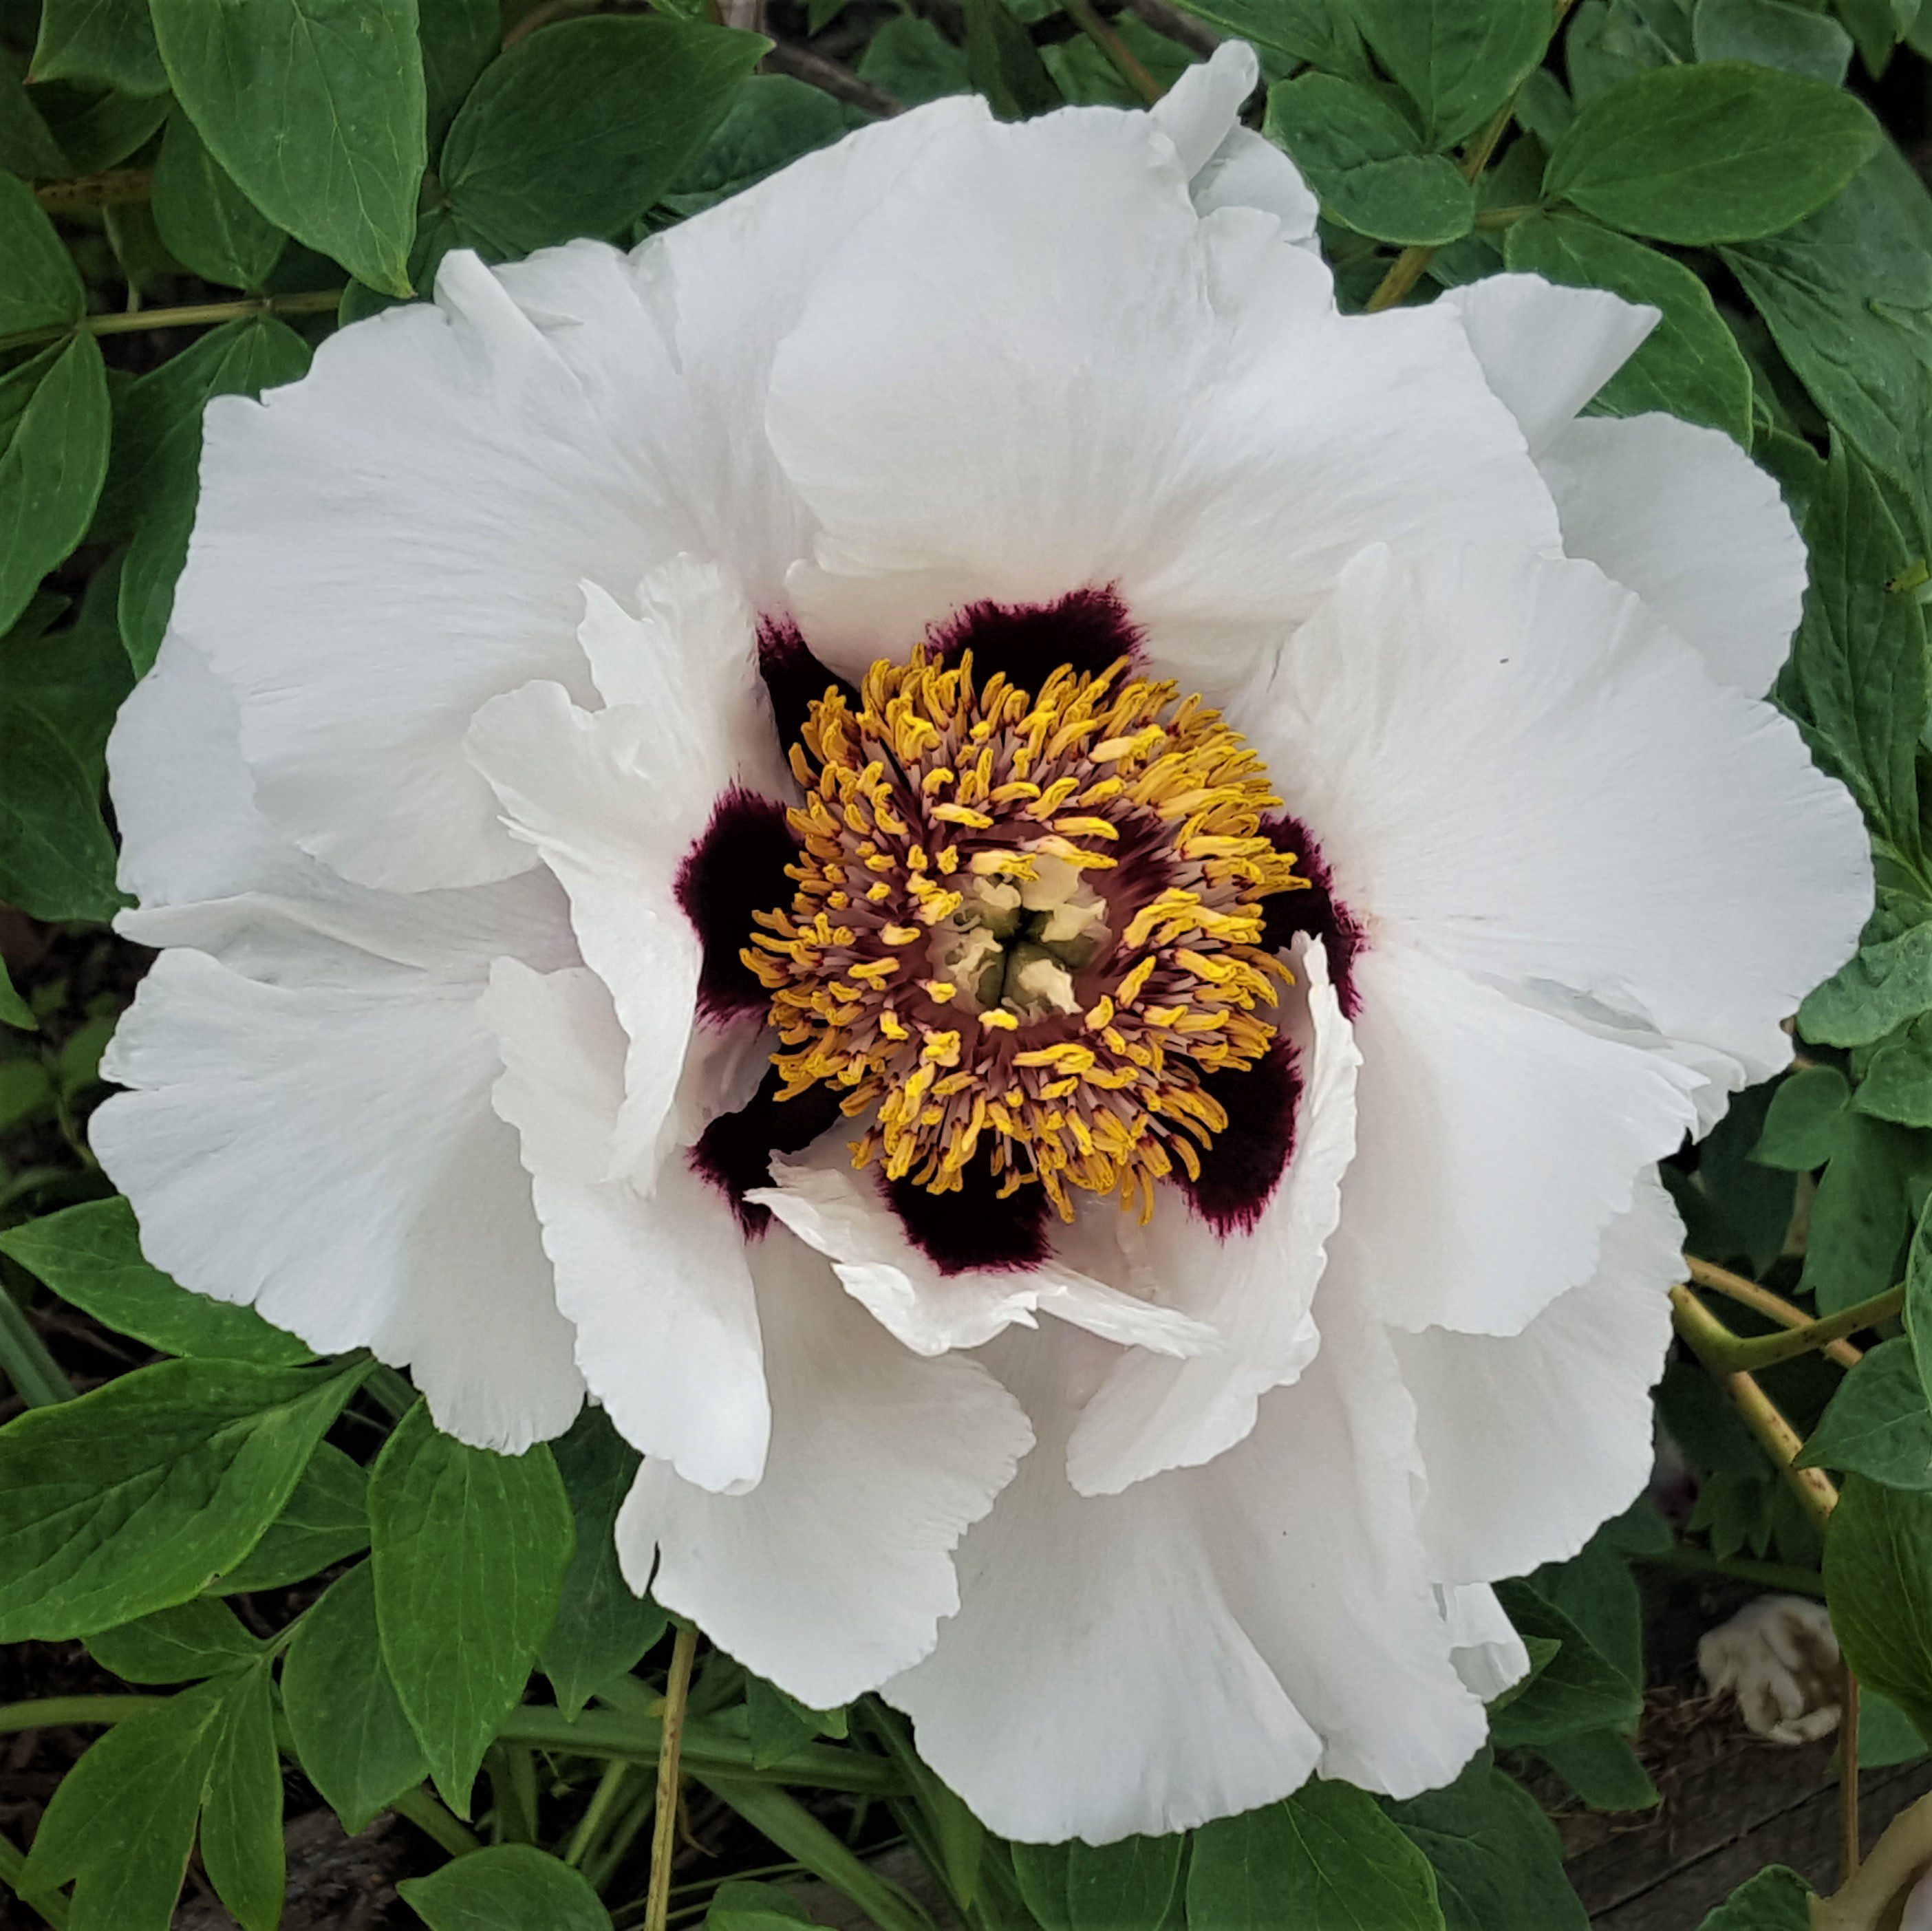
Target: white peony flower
[[715, 815]]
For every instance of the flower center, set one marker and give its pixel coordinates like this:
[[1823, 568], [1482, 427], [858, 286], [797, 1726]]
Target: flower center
[[1027, 926]]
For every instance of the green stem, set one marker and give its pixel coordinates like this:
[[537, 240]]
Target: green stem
[[605, 1864], [794, 1830], [51, 1906], [605, 1733], [114, 188], [598, 1813], [1505, 217], [1708, 1337], [48, 1713], [664, 1832], [1785, 1575], [1747, 1353], [36, 1375], [1120, 56], [513, 1784], [430, 1818], [196, 315]]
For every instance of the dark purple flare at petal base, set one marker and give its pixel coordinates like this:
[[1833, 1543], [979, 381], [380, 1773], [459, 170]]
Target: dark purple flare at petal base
[[794, 679], [734, 1152], [1240, 1170], [736, 868], [1088, 629], [973, 1228], [1316, 911]]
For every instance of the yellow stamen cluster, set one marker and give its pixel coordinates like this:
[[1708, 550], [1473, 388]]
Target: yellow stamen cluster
[[931, 783]]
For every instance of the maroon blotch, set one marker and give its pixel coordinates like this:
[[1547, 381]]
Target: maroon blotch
[[1317, 911], [736, 867], [973, 1228], [1088, 629], [734, 1152], [1240, 1170], [794, 679]]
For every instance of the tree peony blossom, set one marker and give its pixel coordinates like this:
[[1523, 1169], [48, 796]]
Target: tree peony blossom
[[1039, 904]]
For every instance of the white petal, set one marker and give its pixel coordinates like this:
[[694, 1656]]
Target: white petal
[[1145, 1662], [655, 1281], [1256, 1289], [1681, 515], [841, 1215], [210, 873], [781, 236], [613, 799], [327, 1155], [1529, 1442], [834, 1572], [1547, 350], [1489, 1655], [1228, 166], [1037, 368], [1494, 1144], [1199, 111], [1510, 765]]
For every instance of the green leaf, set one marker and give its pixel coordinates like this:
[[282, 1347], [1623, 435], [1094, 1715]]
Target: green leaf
[[348, 1724], [507, 1887], [1366, 162], [242, 1846], [1723, 152], [1801, 1130], [1579, 1689], [1689, 365], [469, 1550], [179, 1645], [1885, 1734], [90, 1256], [1602, 1769], [325, 1520], [315, 108], [1458, 63], [1086, 77], [27, 145], [14, 1010], [1076, 1887], [111, 42], [740, 1906], [460, 39], [776, 1725], [77, 679], [1499, 1862], [1321, 33], [97, 127], [128, 1499], [1845, 294], [1003, 64], [913, 62], [1773, 33], [1857, 683], [773, 119], [209, 224], [1918, 1304], [1878, 26], [1862, 1212], [1878, 1580], [1877, 1424], [578, 129], [601, 1627], [1885, 985], [54, 429], [121, 1822], [1327, 1859], [1777, 1899], [1897, 1084], [56, 859]]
